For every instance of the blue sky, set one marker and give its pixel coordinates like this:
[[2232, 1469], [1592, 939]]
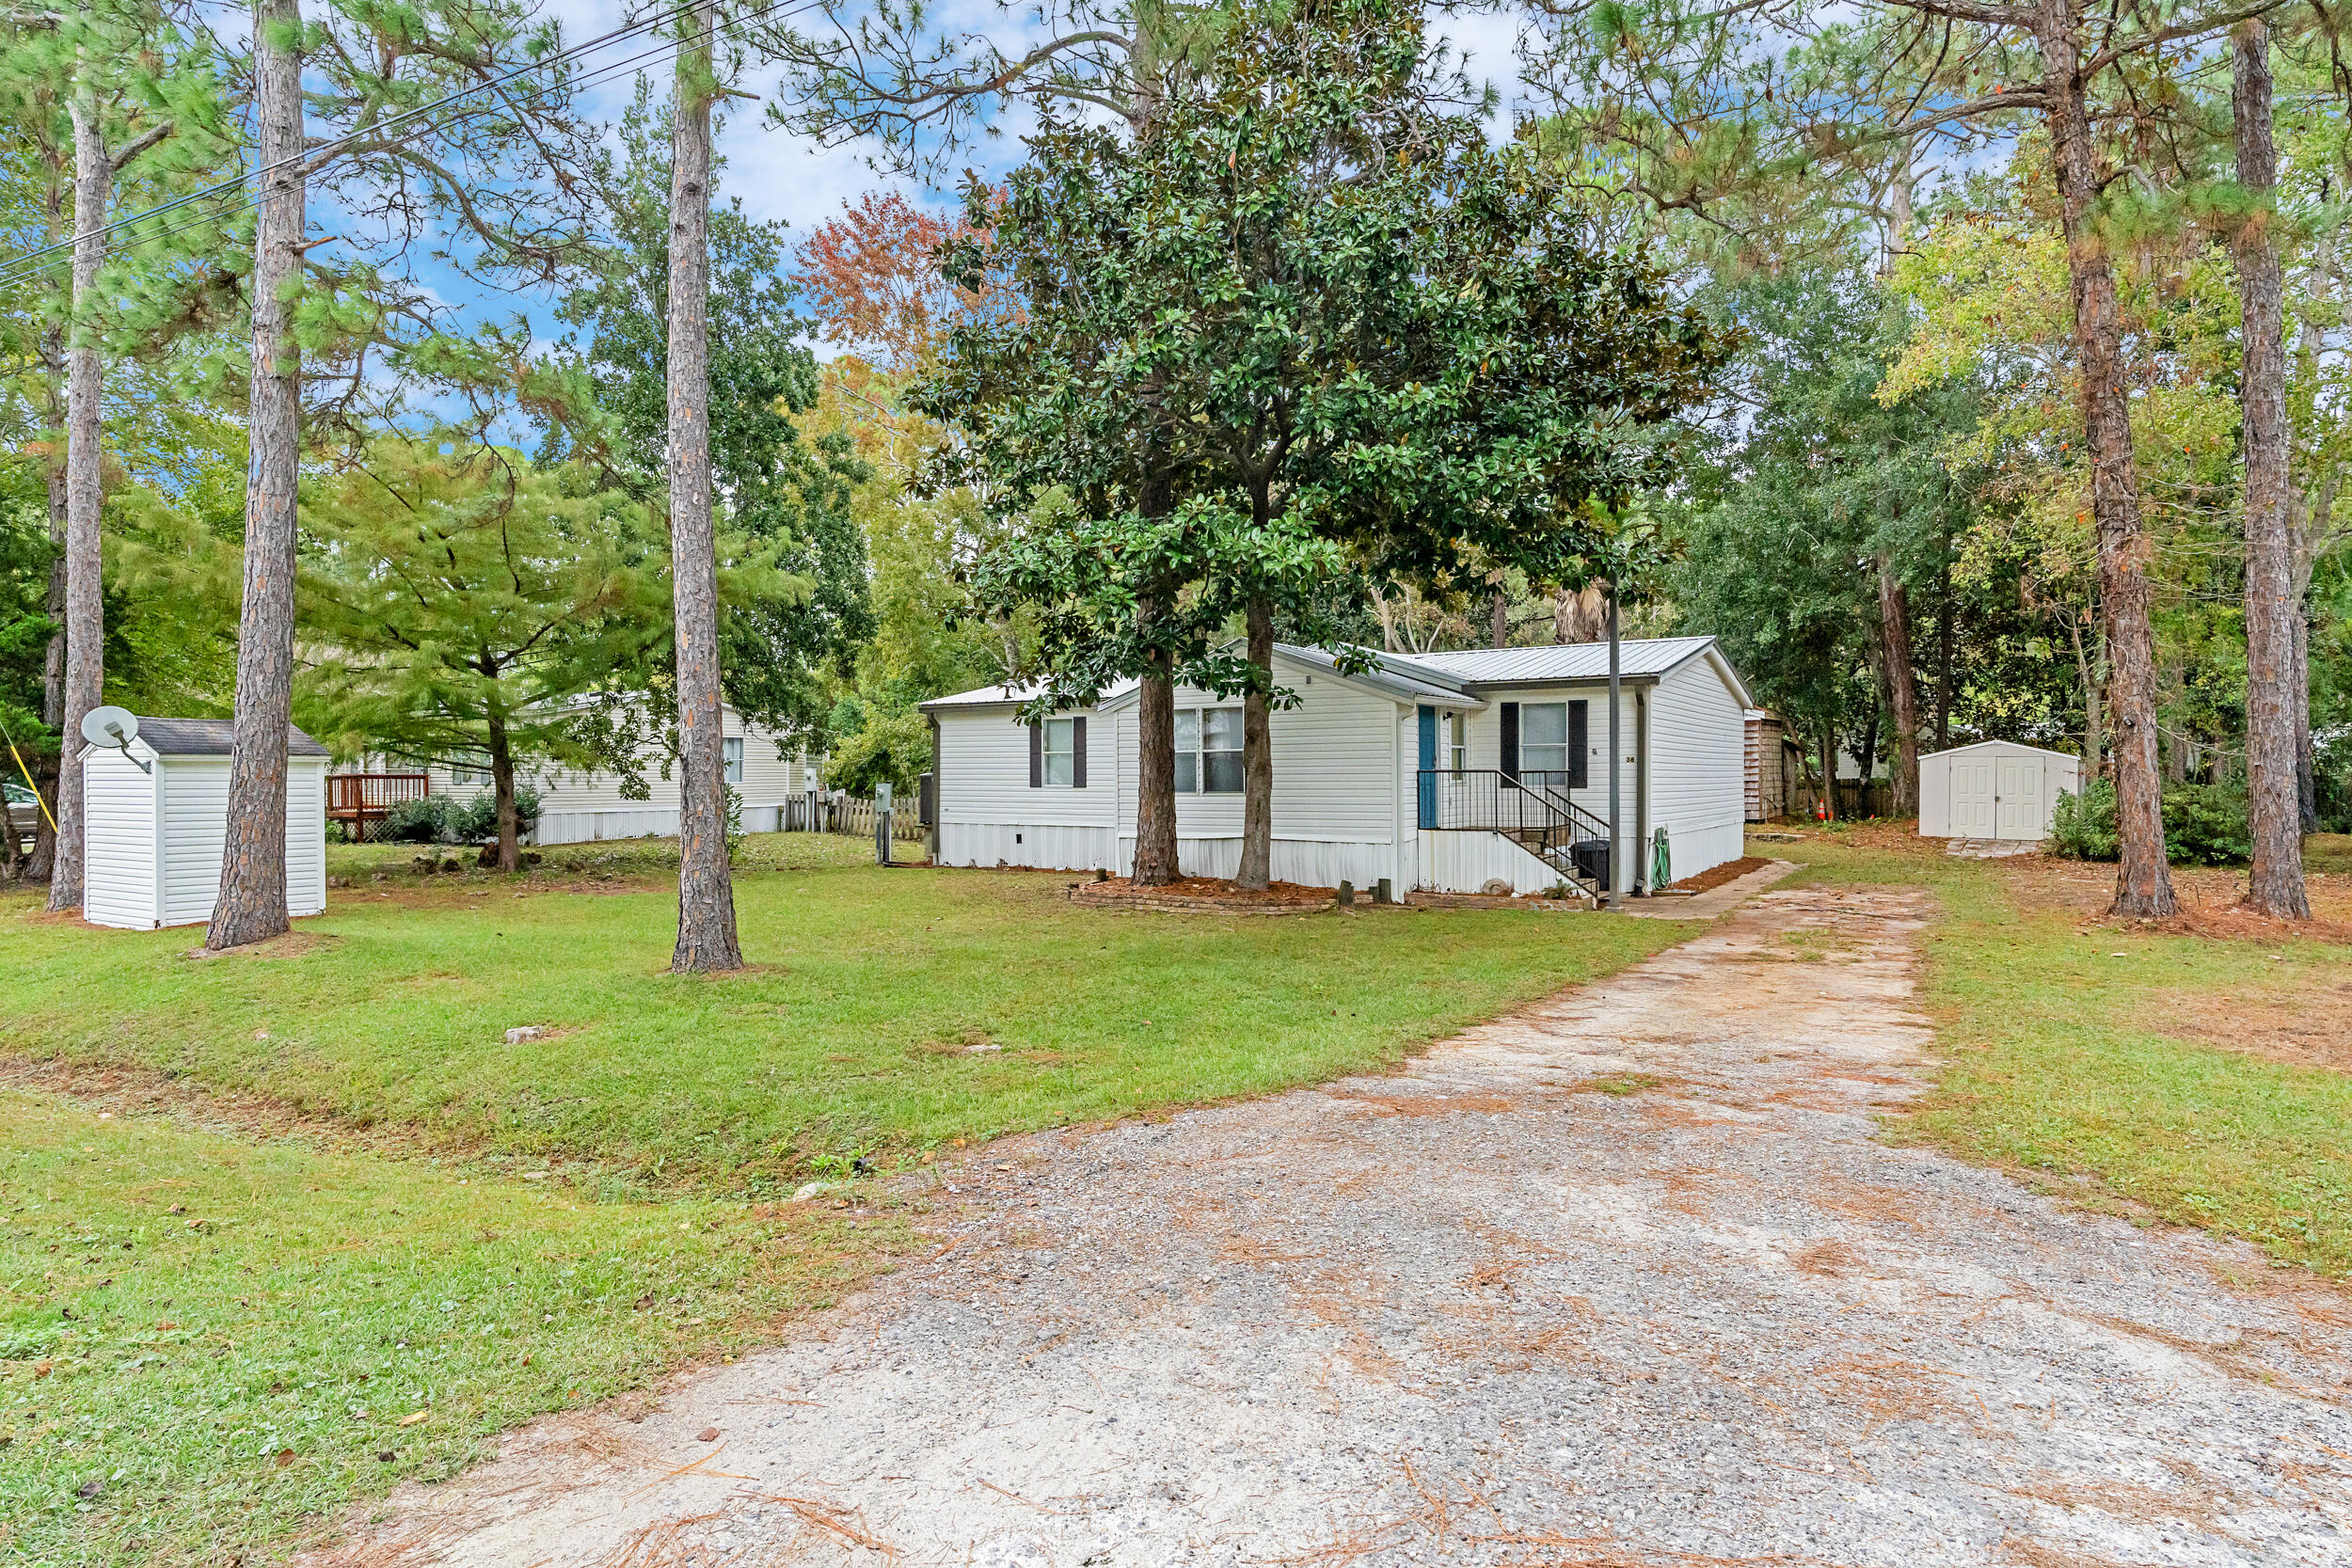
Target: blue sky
[[779, 176]]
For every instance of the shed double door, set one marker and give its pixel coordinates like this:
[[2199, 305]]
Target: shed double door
[[2017, 809]]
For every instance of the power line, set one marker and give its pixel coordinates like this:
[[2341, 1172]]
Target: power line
[[28, 264], [233, 200]]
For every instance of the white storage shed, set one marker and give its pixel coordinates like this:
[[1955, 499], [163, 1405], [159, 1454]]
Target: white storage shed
[[156, 817], [1994, 789]]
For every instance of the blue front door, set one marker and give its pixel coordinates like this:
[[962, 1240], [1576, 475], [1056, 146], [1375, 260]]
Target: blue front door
[[1429, 767]]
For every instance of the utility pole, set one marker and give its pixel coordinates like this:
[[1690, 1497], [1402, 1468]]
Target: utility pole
[[1616, 857]]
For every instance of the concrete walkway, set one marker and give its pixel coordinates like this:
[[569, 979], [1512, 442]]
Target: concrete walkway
[[1715, 900], [1626, 1279]]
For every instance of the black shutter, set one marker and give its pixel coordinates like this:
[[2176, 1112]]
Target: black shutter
[[1578, 745], [1037, 756], [1078, 753], [1511, 742]]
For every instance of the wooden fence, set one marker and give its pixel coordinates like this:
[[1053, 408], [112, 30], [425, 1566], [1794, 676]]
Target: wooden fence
[[825, 812]]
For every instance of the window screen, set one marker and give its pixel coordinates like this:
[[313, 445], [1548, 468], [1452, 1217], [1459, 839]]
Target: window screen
[[1060, 745], [1220, 751], [1543, 741]]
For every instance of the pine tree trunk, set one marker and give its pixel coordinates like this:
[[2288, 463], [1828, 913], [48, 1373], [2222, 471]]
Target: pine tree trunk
[[1156, 777], [85, 613], [2274, 814], [510, 854], [43, 859], [1903, 686], [2299, 698], [2143, 882], [706, 890], [1829, 771], [1257, 757], [1943, 666], [252, 903]]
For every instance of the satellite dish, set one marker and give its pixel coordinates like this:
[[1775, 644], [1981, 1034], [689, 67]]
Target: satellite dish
[[110, 726]]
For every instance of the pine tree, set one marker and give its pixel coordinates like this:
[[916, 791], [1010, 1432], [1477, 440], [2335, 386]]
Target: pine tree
[[497, 175]]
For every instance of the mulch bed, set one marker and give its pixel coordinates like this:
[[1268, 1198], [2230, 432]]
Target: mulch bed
[[1716, 875], [1204, 895]]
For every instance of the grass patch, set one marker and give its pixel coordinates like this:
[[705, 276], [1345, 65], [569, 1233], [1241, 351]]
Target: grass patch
[[2060, 1059], [205, 1342], [234, 1320], [830, 1046]]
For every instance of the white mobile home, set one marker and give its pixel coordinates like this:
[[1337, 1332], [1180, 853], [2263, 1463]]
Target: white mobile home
[[1444, 773], [156, 819]]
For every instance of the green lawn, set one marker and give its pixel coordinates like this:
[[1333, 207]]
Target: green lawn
[[205, 1343], [210, 1335], [2063, 1057], [854, 1033]]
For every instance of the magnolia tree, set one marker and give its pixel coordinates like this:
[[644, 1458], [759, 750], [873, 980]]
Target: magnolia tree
[[1305, 321]]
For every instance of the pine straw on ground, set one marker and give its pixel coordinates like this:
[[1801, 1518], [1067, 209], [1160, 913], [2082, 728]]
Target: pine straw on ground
[[1716, 875], [1211, 890]]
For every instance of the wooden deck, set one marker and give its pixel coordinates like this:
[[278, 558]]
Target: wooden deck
[[360, 801]]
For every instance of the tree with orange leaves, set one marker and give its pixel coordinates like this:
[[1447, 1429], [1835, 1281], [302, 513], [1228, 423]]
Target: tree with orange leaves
[[871, 275]]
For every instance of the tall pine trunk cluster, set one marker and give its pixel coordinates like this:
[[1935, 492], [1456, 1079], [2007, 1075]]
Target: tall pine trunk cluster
[[84, 617], [2143, 882]]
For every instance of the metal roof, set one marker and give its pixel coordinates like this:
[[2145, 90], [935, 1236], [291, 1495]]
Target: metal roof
[[210, 737], [1451, 679], [1638, 657], [990, 696], [1390, 673]]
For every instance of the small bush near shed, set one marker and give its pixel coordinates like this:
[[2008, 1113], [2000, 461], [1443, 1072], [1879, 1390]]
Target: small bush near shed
[[2203, 824]]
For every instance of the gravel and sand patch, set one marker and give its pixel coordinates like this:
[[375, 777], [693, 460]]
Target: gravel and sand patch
[[1626, 1279]]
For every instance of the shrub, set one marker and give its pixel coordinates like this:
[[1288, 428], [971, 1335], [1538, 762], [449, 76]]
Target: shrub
[[894, 748], [2206, 825], [423, 820], [2203, 824], [477, 820], [2083, 825], [445, 819]]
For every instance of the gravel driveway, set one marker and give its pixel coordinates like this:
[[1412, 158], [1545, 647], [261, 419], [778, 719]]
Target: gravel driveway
[[1624, 1280]]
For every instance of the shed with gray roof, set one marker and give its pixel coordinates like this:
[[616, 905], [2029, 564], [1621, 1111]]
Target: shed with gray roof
[[155, 816]]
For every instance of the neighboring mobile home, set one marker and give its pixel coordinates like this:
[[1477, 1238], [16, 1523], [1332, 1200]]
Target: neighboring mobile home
[[578, 807], [1446, 772]]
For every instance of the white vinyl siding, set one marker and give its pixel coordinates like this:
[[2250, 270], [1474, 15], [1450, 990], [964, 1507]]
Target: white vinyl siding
[[577, 806], [196, 826], [118, 872], [1344, 794], [1698, 767], [1336, 787], [987, 814]]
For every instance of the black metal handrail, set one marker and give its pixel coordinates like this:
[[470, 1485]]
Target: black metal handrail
[[1528, 805]]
